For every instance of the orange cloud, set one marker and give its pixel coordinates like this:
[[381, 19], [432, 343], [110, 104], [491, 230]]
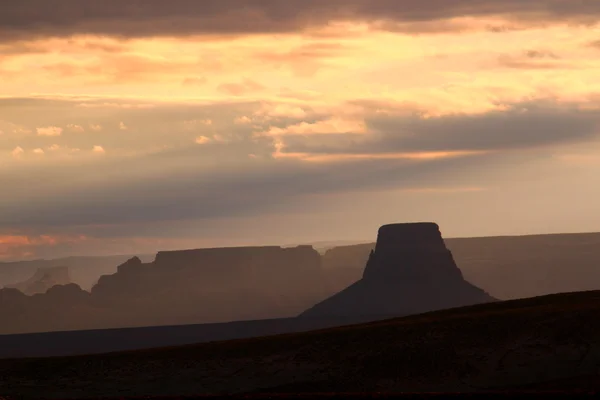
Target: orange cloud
[[12, 240], [240, 89], [75, 128], [330, 126], [21, 246], [49, 131], [394, 156], [328, 158], [191, 82], [202, 140], [17, 152]]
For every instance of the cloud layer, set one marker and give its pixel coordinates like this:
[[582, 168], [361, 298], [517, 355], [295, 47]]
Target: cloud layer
[[237, 122], [146, 18]]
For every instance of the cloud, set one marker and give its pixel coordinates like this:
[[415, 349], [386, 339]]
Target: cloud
[[104, 104], [75, 128], [21, 130], [115, 69], [329, 126], [19, 246], [278, 110], [122, 126], [98, 149], [594, 44], [194, 124], [402, 148], [96, 127], [189, 17], [39, 151], [202, 140], [76, 46], [541, 54], [534, 60], [49, 131], [17, 152], [512, 126], [191, 82], [306, 59], [242, 120], [55, 148], [239, 89]]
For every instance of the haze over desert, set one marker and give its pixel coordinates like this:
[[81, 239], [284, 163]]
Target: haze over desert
[[325, 186]]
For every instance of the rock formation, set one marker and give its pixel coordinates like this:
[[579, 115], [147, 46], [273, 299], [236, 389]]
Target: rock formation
[[83, 270], [43, 279], [507, 267], [214, 285], [178, 287], [410, 271]]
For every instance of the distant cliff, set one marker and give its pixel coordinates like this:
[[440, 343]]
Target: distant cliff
[[43, 279], [180, 287], [508, 267], [215, 285], [410, 271], [83, 271]]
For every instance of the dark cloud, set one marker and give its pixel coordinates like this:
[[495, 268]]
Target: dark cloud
[[541, 54], [138, 18], [534, 60], [195, 194], [518, 126], [218, 181], [595, 44]]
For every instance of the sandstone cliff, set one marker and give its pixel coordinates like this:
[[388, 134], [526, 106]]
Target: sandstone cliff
[[410, 271]]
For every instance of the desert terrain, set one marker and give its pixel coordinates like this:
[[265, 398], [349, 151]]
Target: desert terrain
[[551, 341]]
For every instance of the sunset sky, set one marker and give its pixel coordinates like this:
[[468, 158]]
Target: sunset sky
[[135, 126]]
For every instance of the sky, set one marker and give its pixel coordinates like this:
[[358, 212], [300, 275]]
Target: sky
[[132, 126]]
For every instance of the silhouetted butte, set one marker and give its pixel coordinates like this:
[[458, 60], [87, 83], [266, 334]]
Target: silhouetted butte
[[410, 271]]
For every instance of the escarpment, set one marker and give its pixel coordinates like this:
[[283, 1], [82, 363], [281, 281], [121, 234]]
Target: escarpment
[[409, 271], [179, 287]]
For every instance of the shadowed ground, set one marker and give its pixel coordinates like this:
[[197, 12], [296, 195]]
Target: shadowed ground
[[551, 341]]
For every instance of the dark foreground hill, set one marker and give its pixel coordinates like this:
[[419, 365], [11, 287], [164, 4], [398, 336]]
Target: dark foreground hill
[[94, 341], [546, 342]]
